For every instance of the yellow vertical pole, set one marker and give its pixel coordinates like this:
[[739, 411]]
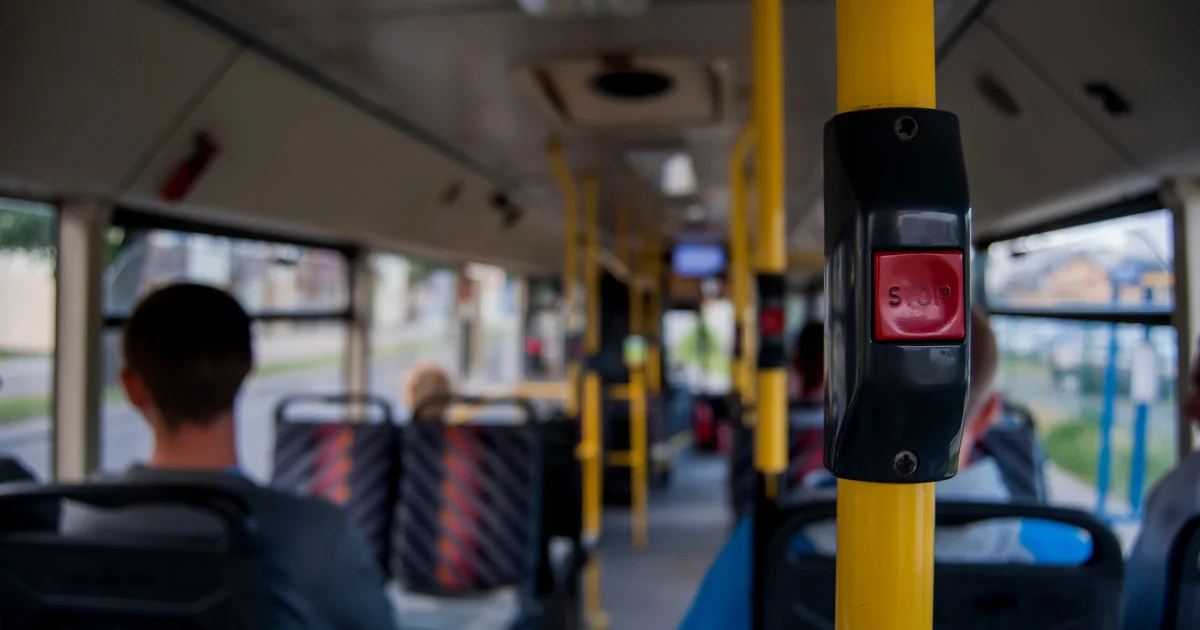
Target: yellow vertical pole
[[885, 51], [570, 267], [591, 346], [654, 288], [739, 263], [593, 469], [638, 476], [770, 452]]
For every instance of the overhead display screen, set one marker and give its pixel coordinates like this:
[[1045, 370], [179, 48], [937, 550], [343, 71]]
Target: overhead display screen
[[698, 260]]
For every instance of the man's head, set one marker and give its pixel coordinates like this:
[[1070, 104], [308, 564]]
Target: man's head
[[809, 357], [983, 402], [187, 351]]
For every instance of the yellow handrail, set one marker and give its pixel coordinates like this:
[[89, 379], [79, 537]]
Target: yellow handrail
[[566, 182], [885, 51], [739, 263], [638, 475], [770, 452]]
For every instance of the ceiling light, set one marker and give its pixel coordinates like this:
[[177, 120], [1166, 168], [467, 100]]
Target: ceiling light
[[671, 171], [584, 8]]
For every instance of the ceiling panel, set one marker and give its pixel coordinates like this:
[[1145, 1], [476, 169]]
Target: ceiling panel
[[1041, 155], [1146, 50], [93, 87]]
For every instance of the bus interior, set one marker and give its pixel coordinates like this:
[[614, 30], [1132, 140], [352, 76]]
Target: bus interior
[[563, 203]]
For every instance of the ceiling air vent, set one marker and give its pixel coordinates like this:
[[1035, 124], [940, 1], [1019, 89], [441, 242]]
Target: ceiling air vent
[[630, 92]]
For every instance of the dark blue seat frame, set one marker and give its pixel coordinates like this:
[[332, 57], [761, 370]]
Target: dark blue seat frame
[[54, 581], [1182, 606], [797, 592]]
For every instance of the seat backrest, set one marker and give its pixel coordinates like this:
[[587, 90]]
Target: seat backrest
[[805, 449], [13, 470], [469, 516], [1182, 606], [1013, 443], [353, 464], [799, 589], [55, 582]]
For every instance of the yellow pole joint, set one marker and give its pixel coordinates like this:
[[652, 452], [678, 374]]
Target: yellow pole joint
[[885, 58]]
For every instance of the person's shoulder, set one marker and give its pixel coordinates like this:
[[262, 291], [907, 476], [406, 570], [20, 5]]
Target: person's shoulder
[[290, 509]]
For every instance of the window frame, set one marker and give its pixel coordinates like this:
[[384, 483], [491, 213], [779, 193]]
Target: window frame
[[132, 219], [1140, 204]]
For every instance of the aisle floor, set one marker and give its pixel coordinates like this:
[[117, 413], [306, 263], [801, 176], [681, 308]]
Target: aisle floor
[[651, 589]]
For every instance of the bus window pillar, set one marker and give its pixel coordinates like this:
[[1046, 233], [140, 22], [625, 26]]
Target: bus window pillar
[[1182, 195], [78, 373], [358, 330]]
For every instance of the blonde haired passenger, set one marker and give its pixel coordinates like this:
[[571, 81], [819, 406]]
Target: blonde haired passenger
[[428, 389]]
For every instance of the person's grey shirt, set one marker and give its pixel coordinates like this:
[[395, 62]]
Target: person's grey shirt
[[318, 570], [1174, 500]]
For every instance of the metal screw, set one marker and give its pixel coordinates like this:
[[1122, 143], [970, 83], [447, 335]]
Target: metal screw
[[905, 463], [906, 128]]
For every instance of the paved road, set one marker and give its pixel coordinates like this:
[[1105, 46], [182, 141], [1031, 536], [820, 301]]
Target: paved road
[[126, 438]]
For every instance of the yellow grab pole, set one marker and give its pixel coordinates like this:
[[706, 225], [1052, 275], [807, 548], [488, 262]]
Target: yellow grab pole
[[638, 476], [770, 451], [739, 263], [654, 270], [591, 346], [885, 51], [593, 467], [570, 267]]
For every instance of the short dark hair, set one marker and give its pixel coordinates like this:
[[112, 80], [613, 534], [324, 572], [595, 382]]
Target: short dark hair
[[810, 353], [191, 345]]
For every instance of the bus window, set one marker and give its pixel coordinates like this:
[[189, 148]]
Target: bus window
[[500, 356], [412, 321], [297, 295], [1101, 392], [27, 284]]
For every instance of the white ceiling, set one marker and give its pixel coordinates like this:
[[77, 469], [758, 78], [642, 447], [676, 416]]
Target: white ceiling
[[113, 91]]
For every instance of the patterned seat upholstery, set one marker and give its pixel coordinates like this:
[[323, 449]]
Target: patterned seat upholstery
[[352, 464], [470, 512]]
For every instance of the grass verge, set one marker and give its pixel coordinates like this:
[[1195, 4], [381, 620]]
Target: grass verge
[[1075, 446]]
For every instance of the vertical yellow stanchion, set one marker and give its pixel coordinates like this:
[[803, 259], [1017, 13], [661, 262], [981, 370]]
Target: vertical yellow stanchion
[[654, 273], [770, 452], [570, 272], [593, 468], [638, 457], [739, 263], [885, 51]]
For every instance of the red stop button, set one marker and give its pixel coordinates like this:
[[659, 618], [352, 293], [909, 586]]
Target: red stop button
[[919, 296]]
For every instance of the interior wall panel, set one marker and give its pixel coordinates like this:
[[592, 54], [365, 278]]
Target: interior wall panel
[[295, 153]]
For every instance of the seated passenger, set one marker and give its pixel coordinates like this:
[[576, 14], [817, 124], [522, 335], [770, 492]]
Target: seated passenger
[[1172, 503], [806, 409], [187, 350], [428, 389], [723, 600]]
